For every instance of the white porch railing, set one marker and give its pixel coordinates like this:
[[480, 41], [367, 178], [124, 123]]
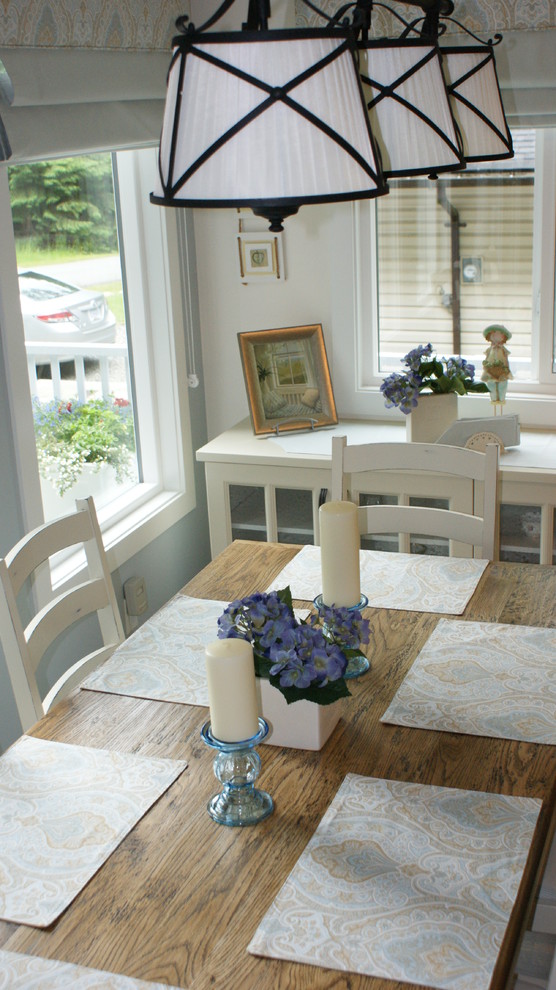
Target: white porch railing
[[113, 371]]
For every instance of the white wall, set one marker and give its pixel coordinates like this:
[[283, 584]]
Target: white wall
[[228, 306]]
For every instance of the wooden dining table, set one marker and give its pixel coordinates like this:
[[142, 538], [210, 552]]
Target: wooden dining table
[[180, 899]]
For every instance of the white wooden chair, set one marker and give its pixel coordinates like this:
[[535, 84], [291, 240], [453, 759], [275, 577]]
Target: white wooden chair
[[476, 530], [25, 642]]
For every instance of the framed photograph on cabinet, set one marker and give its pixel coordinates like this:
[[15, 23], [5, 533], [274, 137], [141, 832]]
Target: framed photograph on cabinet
[[260, 257], [288, 379]]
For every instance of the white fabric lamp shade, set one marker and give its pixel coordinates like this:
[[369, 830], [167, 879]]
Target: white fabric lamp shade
[[408, 107], [241, 123], [472, 82]]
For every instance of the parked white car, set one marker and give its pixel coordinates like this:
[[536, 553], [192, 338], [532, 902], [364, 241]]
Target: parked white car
[[59, 312]]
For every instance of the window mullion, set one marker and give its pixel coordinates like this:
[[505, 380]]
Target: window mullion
[[544, 250]]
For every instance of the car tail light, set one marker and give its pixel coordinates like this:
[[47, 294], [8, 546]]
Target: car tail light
[[63, 317]]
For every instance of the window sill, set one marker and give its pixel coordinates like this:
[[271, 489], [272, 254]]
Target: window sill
[[535, 411], [128, 526]]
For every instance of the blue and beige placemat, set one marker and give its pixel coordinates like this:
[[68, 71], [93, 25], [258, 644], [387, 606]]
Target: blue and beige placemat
[[483, 679], [63, 810], [165, 659], [404, 881], [412, 582], [22, 972]]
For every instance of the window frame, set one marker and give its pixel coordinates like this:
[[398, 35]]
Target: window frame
[[534, 402], [159, 283]]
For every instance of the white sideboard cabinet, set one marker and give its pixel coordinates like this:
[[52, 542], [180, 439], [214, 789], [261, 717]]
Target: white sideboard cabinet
[[270, 488]]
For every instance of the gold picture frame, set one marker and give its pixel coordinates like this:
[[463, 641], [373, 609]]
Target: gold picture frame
[[288, 379], [260, 257]]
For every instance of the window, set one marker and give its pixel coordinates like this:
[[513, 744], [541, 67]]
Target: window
[[157, 488], [290, 364], [73, 308], [450, 257]]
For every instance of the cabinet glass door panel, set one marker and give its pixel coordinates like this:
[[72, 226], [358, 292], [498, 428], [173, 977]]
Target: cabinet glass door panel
[[520, 533], [294, 515], [247, 513]]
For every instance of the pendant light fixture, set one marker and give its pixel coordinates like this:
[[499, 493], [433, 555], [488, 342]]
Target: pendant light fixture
[[472, 84], [409, 109], [272, 120], [266, 119]]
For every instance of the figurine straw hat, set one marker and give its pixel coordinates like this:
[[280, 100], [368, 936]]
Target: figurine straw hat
[[498, 327]]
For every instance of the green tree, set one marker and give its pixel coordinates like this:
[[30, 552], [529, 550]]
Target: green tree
[[68, 202]]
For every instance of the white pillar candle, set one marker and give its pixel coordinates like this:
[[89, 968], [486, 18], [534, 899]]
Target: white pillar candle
[[339, 553], [231, 689]]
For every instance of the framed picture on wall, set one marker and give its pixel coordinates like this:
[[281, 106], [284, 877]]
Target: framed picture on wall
[[260, 257], [288, 379]]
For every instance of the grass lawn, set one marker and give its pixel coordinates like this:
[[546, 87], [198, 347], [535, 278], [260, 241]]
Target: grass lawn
[[28, 254], [114, 298]]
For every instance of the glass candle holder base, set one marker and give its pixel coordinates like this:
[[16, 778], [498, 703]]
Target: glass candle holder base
[[356, 665], [237, 766]]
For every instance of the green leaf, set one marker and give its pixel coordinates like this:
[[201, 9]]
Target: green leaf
[[285, 596], [262, 666]]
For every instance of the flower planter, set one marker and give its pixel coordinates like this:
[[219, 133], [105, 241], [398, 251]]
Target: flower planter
[[431, 417], [302, 725], [98, 480]]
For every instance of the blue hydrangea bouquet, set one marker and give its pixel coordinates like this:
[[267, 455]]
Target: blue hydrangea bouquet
[[304, 659], [428, 373]]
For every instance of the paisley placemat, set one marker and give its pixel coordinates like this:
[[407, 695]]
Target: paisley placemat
[[482, 679], [165, 659], [411, 582], [63, 810], [404, 881], [21, 972]]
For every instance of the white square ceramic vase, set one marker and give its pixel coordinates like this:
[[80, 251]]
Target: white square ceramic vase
[[301, 725]]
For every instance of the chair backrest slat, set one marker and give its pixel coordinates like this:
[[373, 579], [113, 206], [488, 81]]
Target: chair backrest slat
[[435, 460], [61, 613], [24, 646], [44, 542]]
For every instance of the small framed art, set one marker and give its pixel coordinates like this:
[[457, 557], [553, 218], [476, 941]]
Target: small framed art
[[260, 257], [287, 378]]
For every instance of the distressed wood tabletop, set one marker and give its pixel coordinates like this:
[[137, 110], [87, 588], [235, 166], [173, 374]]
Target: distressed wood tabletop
[[181, 897]]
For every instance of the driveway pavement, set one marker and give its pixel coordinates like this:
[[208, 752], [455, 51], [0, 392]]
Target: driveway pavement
[[89, 271]]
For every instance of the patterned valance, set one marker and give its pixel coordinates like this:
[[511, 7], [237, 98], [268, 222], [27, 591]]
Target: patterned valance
[[114, 25], [87, 75], [525, 59], [483, 17]]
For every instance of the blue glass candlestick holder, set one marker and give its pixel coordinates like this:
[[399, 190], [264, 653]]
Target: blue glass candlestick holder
[[356, 665], [237, 766]]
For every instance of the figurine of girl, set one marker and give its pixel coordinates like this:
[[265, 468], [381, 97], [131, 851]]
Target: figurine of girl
[[496, 368]]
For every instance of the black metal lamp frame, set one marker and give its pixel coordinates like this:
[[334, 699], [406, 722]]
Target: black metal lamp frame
[[352, 22]]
